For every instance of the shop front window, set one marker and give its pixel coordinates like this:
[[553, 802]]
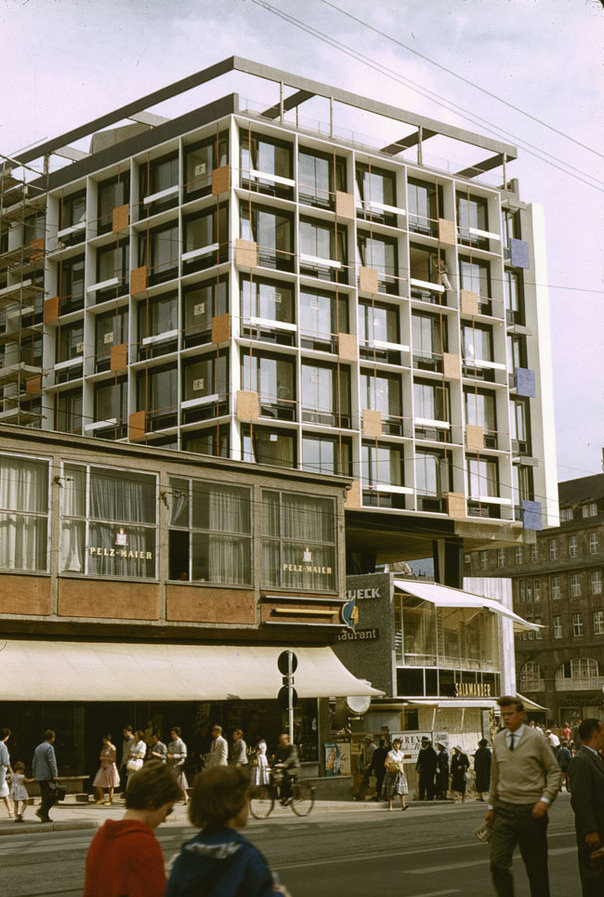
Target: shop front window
[[23, 514], [298, 542], [109, 522], [210, 530]]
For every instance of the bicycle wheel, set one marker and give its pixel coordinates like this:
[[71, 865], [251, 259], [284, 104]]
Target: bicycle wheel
[[303, 798], [262, 802]]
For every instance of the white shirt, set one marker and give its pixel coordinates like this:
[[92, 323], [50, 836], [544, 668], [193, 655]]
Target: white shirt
[[553, 740], [517, 735]]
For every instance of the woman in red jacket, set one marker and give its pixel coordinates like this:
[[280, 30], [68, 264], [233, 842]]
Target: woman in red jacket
[[124, 858]]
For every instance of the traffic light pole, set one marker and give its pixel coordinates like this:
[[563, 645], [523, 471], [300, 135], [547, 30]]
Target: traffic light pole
[[290, 696]]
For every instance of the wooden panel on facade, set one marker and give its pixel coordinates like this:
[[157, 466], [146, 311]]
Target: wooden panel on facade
[[348, 346], [195, 604], [137, 426], [138, 280], [246, 253], [451, 366], [221, 328], [468, 302], [353, 496], [456, 504], [119, 357], [474, 438], [368, 280], [372, 423], [108, 599], [248, 405], [446, 232], [221, 180], [345, 205], [36, 250], [121, 218], [25, 595], [33, 385], [51, 310]]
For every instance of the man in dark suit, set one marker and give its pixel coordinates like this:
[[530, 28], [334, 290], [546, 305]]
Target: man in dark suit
[[426, 767], [586, 774]]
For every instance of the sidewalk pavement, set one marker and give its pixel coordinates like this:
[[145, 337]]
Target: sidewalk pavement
[[70, 816]]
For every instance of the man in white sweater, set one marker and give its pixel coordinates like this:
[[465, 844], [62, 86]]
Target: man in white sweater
[[219, 749], [525, 780]]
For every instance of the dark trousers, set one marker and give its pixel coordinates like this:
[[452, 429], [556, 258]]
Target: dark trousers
[[48, 798], [514, 825], [592, 880], [426, 786]]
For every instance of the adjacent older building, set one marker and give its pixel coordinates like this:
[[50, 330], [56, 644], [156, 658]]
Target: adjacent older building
[[558, 584], [241, 282]]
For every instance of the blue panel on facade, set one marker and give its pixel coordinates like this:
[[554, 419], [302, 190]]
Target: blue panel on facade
[[519, 253], [525, 382], [531, 515]]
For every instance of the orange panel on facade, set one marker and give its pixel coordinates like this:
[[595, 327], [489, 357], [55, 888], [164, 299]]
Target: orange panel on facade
[[24, 595], [108, 599], [221, 180], [121, 218], [119, 357], [195, 604], [138, 280], [137, 425], [221, 328], [51, 310]]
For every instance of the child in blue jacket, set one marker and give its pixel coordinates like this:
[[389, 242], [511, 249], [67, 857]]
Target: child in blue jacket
[[220, 861]]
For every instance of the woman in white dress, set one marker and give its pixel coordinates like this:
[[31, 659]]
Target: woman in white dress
[[395, 780], [4, 768], [136, 754], [177, 755], [260, 771], [107, 775]]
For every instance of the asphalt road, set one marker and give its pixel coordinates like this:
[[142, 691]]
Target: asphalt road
[[428, 851]]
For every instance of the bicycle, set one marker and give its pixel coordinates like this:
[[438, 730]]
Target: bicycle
[[263, 797]]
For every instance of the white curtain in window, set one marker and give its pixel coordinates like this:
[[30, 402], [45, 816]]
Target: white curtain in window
[[73, 531], [228, 555], [23, 536]]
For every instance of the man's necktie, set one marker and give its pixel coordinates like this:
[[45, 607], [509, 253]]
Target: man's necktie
[[511, 741]]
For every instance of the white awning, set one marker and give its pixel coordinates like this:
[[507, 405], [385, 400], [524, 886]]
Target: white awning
[[445, 596], [454, 703], [108, 671], [528, 704]]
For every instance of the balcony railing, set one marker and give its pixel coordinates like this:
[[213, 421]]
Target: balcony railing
[[591, 683]]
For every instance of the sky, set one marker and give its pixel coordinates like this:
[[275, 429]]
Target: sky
[[65, 62]]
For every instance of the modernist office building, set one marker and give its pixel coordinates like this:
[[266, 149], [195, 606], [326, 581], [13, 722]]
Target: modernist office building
[[557, 582], [242, 283]]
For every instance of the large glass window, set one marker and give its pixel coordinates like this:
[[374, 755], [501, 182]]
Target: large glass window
[[200, 161], [159, 176], [375, 189], [378, 323], [68, 411], [513, 294], [472, 215], [158, 251], [272, 232], [424, 207], [267, 311], [432, 479], [431, 410], [109, 525], [477, 343], [211, 441], [206, 239], [72, 215], [323, 251], [112, 194], [483, 478], [205, 387], [266, 164], [70, 341], [201, 303], [157, 326], [322, 317], [319, 176], [382, 466], [112, 270], [298, 542], [381, 254], [157, 390], [521, 432], [71, 285], [324, 454], [382, 392], [429, 341], [23, 514], [111, 405], [262, 445], [326, 394], [210, 532], [480, 409], [476, 277], [111, 329], [274, 378]]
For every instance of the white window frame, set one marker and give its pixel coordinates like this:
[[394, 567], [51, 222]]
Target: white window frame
[[575, 585]]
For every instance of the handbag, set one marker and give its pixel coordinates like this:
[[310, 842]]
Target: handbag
[[134, 764], [58, 791]]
